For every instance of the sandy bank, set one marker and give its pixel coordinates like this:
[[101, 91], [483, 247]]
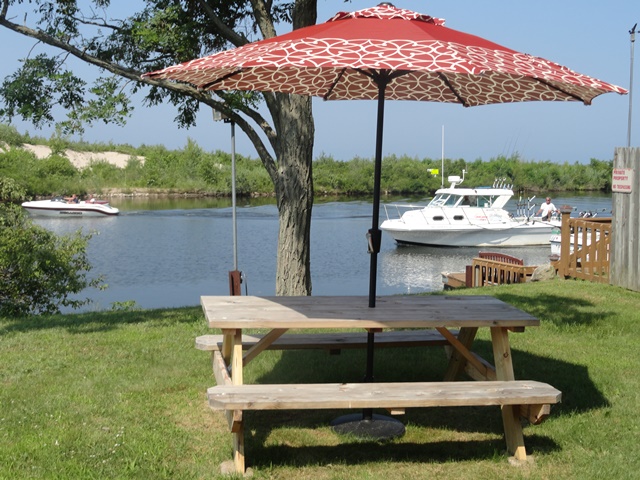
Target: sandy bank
[[83, 159]]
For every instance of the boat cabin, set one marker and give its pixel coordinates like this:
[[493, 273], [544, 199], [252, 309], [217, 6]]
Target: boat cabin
[[471, 197]]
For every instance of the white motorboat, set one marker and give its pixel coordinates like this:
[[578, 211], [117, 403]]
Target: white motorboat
[[59, 207], [469, 217]]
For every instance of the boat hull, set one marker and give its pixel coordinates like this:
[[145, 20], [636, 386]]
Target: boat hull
[[60, 209], [516, 236]]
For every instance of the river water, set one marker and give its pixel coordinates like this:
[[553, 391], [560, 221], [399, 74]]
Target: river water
[[164, 253]]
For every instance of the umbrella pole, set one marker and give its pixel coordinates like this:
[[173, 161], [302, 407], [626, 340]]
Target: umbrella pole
[[375, 237], [368, 425]]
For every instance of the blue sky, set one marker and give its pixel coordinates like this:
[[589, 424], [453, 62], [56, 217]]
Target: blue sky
[[587, 36]]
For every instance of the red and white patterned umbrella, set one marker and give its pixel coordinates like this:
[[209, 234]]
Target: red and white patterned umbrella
[[387, 52], [419, 58]]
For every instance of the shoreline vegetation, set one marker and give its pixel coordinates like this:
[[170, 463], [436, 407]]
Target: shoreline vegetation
[[57, 166]]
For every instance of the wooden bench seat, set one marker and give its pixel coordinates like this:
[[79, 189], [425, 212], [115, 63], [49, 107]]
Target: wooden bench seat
[[333, 342], [381, 395], [527, 398]]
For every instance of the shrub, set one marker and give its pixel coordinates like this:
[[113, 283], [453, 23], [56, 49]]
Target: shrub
[[39, 271], [56, 165], [10, 136]]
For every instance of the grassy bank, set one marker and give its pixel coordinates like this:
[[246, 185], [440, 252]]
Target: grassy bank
[[122, 395]]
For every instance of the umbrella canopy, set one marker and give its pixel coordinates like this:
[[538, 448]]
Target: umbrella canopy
[[349, 55], [386, 52]]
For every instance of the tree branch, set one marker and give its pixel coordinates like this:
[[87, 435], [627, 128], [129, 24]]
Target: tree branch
[[228, 33], [182, 88], [263, 18]]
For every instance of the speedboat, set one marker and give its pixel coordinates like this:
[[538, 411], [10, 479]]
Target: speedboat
[[59, 207], [469, 217]]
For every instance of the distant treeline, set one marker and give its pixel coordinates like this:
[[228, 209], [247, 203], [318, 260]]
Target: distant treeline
[[191, 170]]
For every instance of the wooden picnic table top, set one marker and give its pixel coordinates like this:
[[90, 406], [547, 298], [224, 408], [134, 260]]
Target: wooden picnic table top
[[401, 311]]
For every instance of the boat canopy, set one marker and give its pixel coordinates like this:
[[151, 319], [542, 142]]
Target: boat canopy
[[471, 197]]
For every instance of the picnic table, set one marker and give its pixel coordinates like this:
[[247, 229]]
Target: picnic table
[[452, 321]]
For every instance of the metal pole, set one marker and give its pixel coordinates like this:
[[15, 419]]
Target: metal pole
[[632, 32], [375, 234], [233, 195], [442, 166], [235, 276]]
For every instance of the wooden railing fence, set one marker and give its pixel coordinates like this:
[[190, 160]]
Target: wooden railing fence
[[585, 248], [493, 268]]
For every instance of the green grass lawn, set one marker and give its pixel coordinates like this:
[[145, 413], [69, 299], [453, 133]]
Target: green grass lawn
[[122, 395]]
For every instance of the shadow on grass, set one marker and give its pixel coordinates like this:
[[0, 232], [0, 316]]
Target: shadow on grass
[[558, 309], [411, 364], [261, 452], [364, 452], [579, 393], [102, 321]]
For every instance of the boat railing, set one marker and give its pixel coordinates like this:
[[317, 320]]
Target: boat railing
[[399, 209]]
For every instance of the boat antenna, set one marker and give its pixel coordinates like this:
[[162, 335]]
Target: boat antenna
[[442, 160]]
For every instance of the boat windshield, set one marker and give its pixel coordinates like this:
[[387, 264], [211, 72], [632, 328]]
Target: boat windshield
[[444, 200], [451, 200]]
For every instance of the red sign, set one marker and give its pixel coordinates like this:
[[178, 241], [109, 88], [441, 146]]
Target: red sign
[[622, 180]]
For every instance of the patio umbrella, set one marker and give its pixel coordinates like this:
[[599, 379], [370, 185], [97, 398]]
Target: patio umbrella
[[387, 53]]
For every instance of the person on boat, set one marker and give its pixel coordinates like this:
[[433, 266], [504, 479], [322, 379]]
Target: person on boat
[[72, 199], [466, 201], [547, 209]]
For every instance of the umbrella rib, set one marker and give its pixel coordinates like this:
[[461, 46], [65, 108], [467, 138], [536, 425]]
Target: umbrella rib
[[445, 79], [333, 85], [207, 86], [553, 87], [383, 75]]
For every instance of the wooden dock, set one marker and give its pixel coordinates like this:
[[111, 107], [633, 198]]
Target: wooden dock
[[489, 268]]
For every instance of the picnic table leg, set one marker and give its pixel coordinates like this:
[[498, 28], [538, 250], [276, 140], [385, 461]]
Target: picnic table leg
[[510, 413], [457, 361], [238, 449], [232, 351]]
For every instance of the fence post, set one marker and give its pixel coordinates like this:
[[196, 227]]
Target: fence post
[[565, 239]]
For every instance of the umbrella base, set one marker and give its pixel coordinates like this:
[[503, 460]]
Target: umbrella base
[[379, 427]]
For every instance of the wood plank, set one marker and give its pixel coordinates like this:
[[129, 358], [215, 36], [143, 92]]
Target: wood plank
[[487, 373], [221, 374], [462, 349], [236, 359], [220, 369], [333, 341], [457, 362], [262, 344], [398, 311], [535, 414], [380, 395], [510, 413]]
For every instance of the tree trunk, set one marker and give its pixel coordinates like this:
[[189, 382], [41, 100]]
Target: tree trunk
[[294, 192]]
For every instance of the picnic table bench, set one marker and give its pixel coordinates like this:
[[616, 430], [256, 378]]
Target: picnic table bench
[[334, 342], [493, 385]]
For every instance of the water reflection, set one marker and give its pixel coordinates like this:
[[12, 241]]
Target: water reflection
[[417, 269]]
